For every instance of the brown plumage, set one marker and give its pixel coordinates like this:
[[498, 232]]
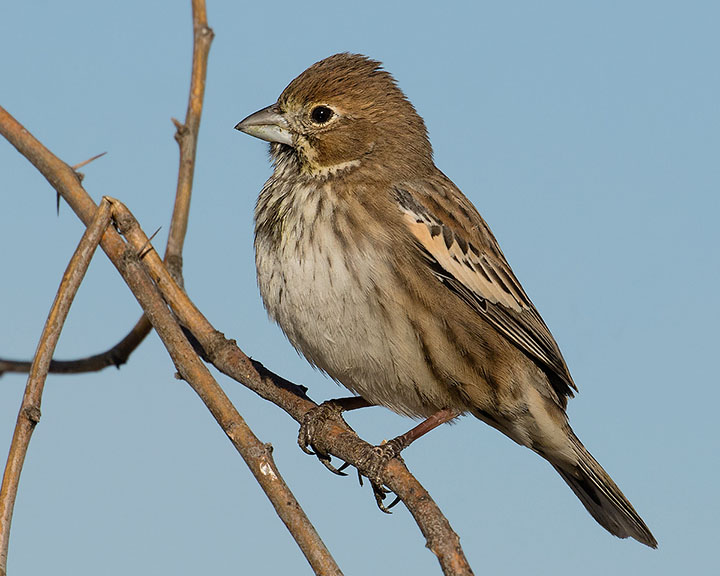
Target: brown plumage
[[385, 276]]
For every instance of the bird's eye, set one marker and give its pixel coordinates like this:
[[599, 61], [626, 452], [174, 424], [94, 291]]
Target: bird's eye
[[321, 114]]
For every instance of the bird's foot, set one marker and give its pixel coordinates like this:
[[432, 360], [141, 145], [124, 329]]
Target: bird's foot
[[313, 422], [370, 464], [373, 465]]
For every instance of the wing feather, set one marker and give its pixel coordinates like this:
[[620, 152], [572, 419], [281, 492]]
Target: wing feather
[[466, 257]]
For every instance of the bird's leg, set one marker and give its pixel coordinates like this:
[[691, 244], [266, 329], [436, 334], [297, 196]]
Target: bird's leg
[[430, 423], [377, 459], [316, 418]]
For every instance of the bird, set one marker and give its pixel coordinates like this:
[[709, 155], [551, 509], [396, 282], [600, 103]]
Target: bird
[[383, 275]]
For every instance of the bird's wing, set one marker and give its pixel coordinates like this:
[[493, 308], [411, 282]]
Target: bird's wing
[[463, 254]]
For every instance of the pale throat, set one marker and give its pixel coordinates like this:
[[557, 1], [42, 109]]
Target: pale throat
[[325, 171]]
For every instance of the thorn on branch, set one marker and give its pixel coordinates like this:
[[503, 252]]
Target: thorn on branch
[[86, 162], [147, 247], [75, 168], [180, 129]]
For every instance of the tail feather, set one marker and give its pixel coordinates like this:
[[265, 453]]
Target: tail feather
[[602, 498]]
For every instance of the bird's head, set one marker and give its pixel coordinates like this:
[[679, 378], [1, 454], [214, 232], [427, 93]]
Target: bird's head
[[342, 113]]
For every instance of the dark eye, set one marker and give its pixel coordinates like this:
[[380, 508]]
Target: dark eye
[[321, 114]]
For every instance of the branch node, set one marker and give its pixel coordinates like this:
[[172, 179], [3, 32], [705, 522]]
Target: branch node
[[122, 221], [32, 413], [174, 264], [205, 32]]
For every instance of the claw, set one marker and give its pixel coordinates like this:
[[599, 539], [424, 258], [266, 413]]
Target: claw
[[305, 448], [325, 459], [375, 463], [313, 421], [380, 494]]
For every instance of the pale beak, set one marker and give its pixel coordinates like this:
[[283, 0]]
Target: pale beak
[[267, 124]]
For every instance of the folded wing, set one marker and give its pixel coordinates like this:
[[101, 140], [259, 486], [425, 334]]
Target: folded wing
[[465, 257]]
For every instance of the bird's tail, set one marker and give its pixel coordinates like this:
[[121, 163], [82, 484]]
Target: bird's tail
[[601, 496]]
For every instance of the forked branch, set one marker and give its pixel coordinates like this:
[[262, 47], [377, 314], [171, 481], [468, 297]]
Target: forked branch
[[186, 135]]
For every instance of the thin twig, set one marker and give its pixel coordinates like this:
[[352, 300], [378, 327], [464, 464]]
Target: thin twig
[[115, 356], [29, 414], [187, 135]]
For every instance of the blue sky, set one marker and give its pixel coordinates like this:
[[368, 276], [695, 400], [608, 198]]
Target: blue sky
[[588, 135]]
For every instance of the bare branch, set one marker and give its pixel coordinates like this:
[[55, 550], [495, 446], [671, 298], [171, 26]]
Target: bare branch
[[115, 356], [29, 414], [186, 136]]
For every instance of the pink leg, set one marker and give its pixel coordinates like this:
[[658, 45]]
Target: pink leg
[[432, 422]]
